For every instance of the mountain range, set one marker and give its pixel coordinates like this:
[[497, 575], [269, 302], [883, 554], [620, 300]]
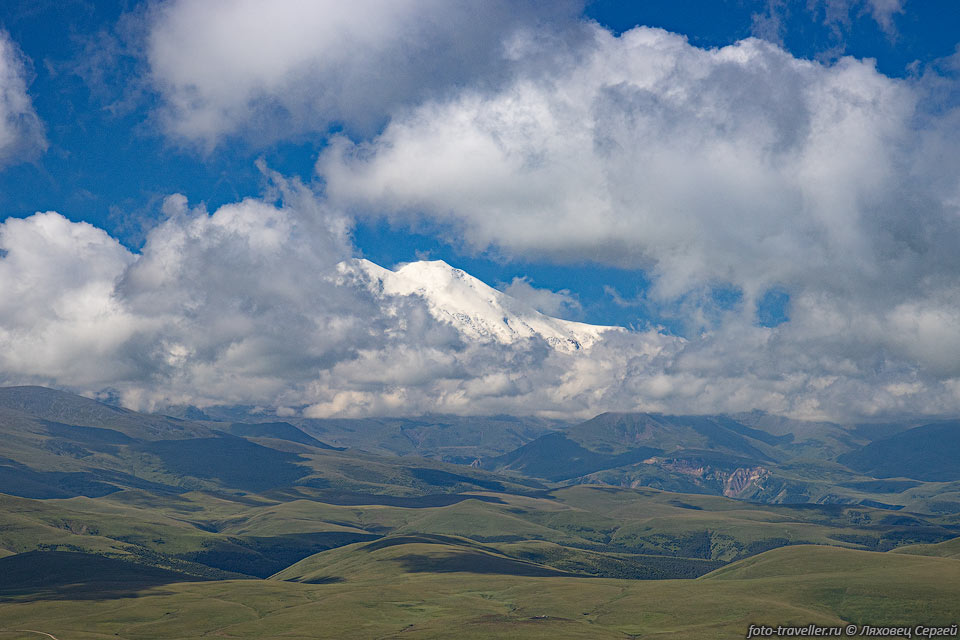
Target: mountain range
[[56, 443], [108, 516]]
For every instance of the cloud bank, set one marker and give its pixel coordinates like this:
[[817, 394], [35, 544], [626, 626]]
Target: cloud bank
[[741, 169], [740, 164], [247, 305]]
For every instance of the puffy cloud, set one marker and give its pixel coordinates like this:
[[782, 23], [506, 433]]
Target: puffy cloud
[[741, 164], [59, 319], [235, 302], [283, 68], [21, 132], [248, 305]]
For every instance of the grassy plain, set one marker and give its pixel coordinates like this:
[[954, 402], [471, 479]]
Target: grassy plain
[[790, 586], [122, 525]]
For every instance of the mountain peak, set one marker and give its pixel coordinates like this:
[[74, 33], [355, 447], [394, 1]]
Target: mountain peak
[[476, 309]]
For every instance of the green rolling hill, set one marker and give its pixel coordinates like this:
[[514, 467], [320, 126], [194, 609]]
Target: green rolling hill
[[119, 524], [792, 586]]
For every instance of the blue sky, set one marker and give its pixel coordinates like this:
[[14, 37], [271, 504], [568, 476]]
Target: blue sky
[[109, 164], [772, 219]]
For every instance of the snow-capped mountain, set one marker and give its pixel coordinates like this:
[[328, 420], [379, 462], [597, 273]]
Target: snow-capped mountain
[[477, 310]]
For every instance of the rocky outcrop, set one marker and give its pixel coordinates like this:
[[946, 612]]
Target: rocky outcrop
[[743, 480]]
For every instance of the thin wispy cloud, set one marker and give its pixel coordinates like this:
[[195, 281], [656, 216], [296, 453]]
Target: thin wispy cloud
[[22, 136]]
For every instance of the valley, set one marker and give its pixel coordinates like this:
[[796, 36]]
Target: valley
[[120, 524]]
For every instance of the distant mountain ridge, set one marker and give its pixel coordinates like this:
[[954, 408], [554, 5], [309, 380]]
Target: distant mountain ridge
[[929, 452], [56, 444], [615, 440], [69, 408], [797, 463]]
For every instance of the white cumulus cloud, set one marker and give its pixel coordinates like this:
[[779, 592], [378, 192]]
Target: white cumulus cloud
[[272, 70], [741, 164], [247, 305], [740, 167]]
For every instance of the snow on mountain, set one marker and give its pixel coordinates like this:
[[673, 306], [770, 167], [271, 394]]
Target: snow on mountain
[[477, 310]]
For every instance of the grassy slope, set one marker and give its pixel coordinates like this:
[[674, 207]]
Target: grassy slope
[[419, 553], [946, 549], [796, 585], [399, 551], [264, 534]]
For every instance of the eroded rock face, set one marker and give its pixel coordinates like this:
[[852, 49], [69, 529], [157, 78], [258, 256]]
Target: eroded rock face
[[688, 467], [742, 480]]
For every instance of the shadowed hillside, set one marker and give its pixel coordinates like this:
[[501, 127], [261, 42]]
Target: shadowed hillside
[[235, 518], [929, 452]]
